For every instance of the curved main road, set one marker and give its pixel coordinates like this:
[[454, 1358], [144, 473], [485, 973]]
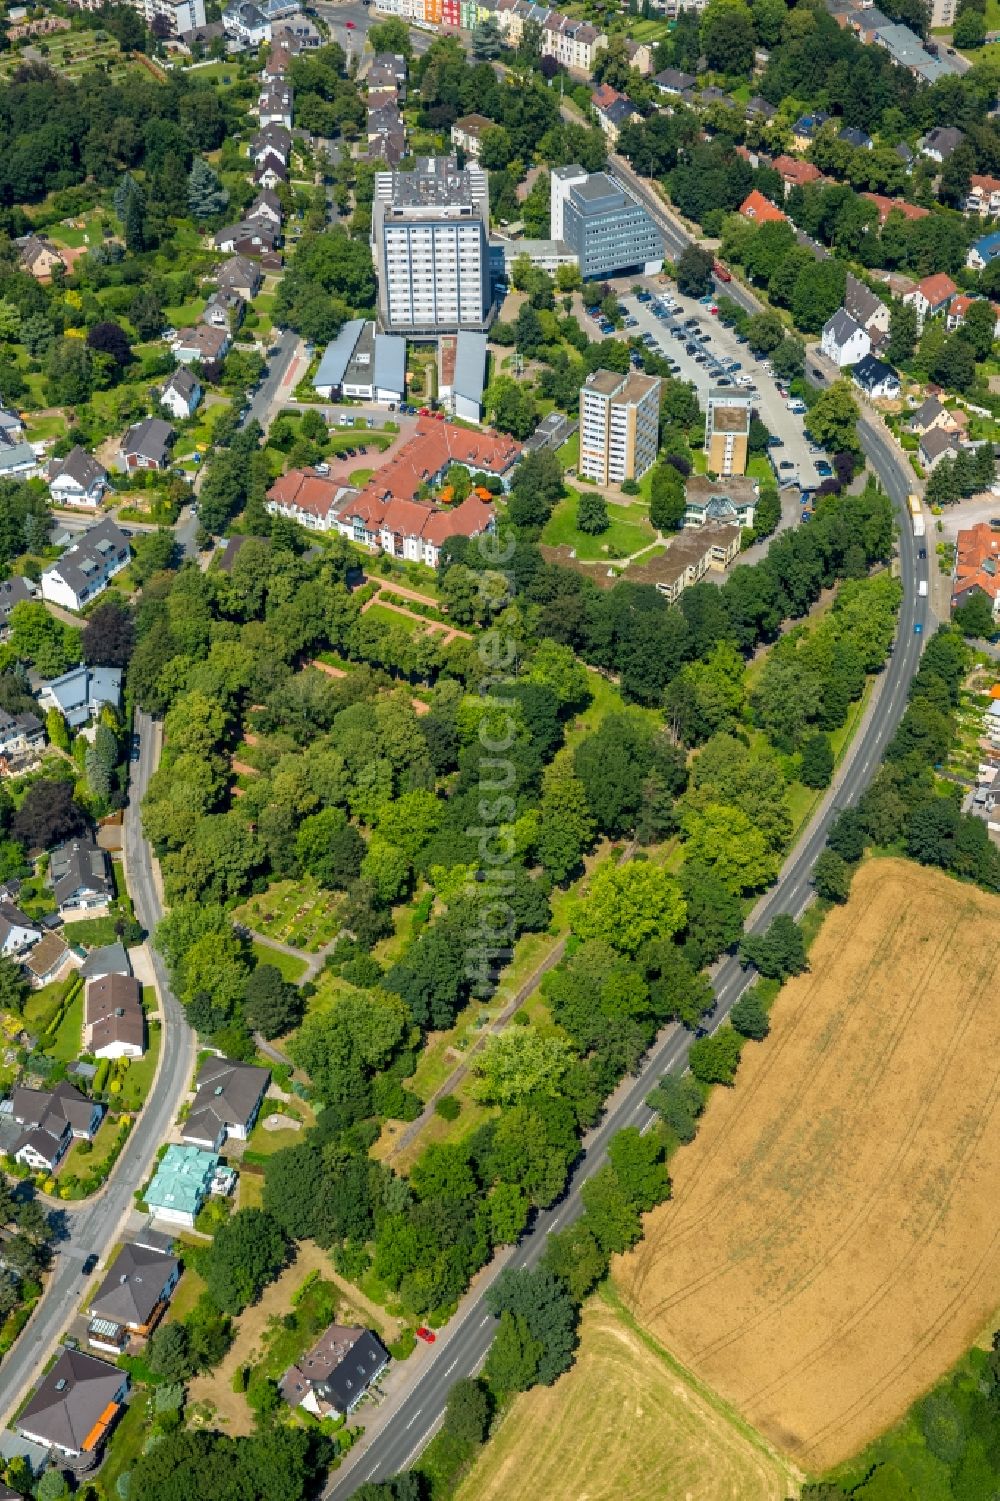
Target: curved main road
[[93, 1226], [398, 1432]]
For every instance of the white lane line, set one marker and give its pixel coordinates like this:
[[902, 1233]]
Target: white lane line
[[422, 1444], [486, 1320], [413, 1420], [452, 1366]]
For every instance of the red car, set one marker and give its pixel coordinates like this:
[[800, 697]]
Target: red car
[[427, 1335], [349, 25], [438, 416], [423, 411]]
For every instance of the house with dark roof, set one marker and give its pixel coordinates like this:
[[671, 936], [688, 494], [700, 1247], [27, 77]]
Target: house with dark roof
[[16, 590], [146, 445], [203, 344], [843, 339], [111, 959], [266, 207], [859, 139], [934, 444], [133, 1296], [77, 480], [240, 274], [39, 257], [50, 1119], [268, 173], [18, 933], [22, 736], [940, 142], [114, 1023], [80, 875], [228, 1097], [248, 237], [181, 394], [47, 960], [864, 307], [333, 1377], [673, 81], [876, 379], [86, 568], [759, 108], [75, 1405]]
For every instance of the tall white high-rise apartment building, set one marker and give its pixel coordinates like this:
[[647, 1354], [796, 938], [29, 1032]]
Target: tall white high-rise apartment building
[[619, 426], [430, 242]]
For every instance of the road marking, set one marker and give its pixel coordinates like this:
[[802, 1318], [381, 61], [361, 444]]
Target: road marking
[[413, 1419], [486, 1320], [556, 1221], [452, 1366], [371, 1472]]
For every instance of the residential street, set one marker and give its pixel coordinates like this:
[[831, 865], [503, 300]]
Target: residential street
[[93, 1226]]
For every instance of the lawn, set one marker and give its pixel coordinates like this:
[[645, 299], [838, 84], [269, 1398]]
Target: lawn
[[263, 1143], [126, 1443], [299, 913], [69, 1034], [84, 1163], [569, 453], [42, 1005], [628, 532], [92, 932], [389, 616], [291, 967], [625, 1424], [360, 477], [138, 1078]]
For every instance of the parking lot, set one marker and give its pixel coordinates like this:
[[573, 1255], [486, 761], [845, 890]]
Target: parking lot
[[720, 345]]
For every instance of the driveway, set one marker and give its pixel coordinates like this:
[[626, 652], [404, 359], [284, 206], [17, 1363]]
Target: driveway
[[965, 513], [722, 343]]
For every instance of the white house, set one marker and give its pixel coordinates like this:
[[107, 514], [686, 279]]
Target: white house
[[931, 296], [181, 394], [77, 480], [246, 24], [86, 568], [876, 379], [17, 932], [844, 340]]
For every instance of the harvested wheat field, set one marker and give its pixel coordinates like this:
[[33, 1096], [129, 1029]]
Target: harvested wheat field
[[622, 1426], [833, 1242]]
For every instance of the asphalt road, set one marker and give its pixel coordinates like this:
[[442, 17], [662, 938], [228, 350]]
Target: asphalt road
[[416, 1413], [93, 1226]]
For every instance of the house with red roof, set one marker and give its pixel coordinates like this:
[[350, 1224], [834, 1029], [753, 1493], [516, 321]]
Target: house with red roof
[[958, 310], [887, 206], [931, 296], [755, 206], [795, 173], [977, 566], [984, 196]]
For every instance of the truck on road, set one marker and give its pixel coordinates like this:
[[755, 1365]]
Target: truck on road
[[916, 514], [922, 588]]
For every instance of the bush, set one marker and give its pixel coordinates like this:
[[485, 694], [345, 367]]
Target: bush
[[448, 1107]]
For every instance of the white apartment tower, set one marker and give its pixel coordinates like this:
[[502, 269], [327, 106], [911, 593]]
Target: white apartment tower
[[619, 426], [430, 242]]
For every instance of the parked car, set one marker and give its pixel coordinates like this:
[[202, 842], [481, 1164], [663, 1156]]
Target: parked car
[[427, 1335], [775, 442], [823, 469], [90, 1263]]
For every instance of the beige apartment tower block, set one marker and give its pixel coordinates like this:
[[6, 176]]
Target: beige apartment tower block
[[619, 426], [727, 431]]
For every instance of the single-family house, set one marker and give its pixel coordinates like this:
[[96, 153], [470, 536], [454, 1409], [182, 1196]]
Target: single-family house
[[876, 379], [387, 70], [673, 81], [228, 1097], [240, 274], [109, 959], [82, 693], [17, 590], [75, 1405], [851, 135], [934, 444], [114, 1023], [759, 108], [977, 566], [39, 257], [468, 131], [17, 932], [146, 445], [940, 142], [333, 1377], [795, 173], [755, 206], [271, 140], [77, 480], [274, 104], [22, 737], [49, 1120], [18, 459], [958, 311], [267, 207], [47, 960], [180, 394], [203, 344], [984, 251], [183, 1181], [931, 296], [843, 339], [640, 56], [268, 173], [930, 413], [133, 1296], [248, 237], [806, 129], [864, 307], [80, 875], [86, 568]]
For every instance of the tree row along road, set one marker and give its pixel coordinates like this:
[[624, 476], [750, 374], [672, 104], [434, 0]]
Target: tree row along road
[[401, 1429], [94, 1225]]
